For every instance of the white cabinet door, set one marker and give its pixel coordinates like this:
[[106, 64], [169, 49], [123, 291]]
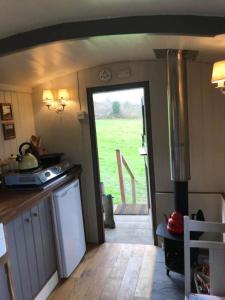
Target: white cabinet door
[[2, 241]]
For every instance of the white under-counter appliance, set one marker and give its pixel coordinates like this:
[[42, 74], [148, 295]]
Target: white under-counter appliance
[[2, 241], [69, 227]]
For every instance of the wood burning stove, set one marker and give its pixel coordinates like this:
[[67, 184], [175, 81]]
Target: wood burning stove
[[173, 249], [176, 62]]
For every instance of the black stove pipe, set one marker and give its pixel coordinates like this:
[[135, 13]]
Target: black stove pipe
[[181, 197]]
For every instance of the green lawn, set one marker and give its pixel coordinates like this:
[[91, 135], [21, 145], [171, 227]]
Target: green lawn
[[123, 134]]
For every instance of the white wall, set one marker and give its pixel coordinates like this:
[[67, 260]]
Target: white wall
[[207, 124], [206, 120], [21, 100]]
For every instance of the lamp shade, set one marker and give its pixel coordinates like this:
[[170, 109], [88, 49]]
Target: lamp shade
[[47, 96], [218, 74], [63, 94]]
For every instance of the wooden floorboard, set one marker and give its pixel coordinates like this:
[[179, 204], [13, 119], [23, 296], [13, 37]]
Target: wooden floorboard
[[111, 272], [145, 280]]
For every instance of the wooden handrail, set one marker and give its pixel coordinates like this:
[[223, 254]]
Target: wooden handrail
[[127, 167], [121, 161], [121, 178]]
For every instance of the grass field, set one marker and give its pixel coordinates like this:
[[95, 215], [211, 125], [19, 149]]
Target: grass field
[[123, 134]]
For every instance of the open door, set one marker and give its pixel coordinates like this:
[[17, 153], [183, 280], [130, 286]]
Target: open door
[[145, 149], [144, 152], [148, 157]]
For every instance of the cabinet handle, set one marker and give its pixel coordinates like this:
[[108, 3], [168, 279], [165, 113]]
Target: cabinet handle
[[35, 214], [27, 220]]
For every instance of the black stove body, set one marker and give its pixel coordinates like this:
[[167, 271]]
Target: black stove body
[[174, 244]]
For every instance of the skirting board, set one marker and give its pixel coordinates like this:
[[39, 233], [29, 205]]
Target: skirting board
[[48, 288]]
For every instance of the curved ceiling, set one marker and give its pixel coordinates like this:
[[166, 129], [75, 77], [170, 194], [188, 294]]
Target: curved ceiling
[[40, 64], [18, 16]]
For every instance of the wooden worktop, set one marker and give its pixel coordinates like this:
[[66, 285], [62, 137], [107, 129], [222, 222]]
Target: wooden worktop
[[14, 202]]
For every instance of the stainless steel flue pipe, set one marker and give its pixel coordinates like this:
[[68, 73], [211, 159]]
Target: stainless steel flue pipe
[[178, 115], [176, 61]]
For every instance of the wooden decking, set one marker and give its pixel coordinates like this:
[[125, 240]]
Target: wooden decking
[[131, 209]]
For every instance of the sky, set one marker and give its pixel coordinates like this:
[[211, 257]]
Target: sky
[[132, 95]]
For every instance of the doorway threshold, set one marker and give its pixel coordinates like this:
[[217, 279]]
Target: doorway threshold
[[131, 229], [131, 209]]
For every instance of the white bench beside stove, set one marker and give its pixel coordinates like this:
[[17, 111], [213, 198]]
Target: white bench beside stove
[[216, 258]]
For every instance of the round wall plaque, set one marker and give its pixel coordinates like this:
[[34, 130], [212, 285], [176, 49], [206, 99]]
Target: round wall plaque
[[105, 75]]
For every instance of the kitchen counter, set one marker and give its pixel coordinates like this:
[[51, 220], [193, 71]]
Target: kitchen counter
[[15, 201]]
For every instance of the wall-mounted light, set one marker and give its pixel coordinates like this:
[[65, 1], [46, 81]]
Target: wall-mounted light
[[58, 104], [63, 96], [48, 98], [218, 75]]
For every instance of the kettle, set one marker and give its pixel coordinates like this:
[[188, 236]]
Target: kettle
[[175, 223], [26, 160]]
